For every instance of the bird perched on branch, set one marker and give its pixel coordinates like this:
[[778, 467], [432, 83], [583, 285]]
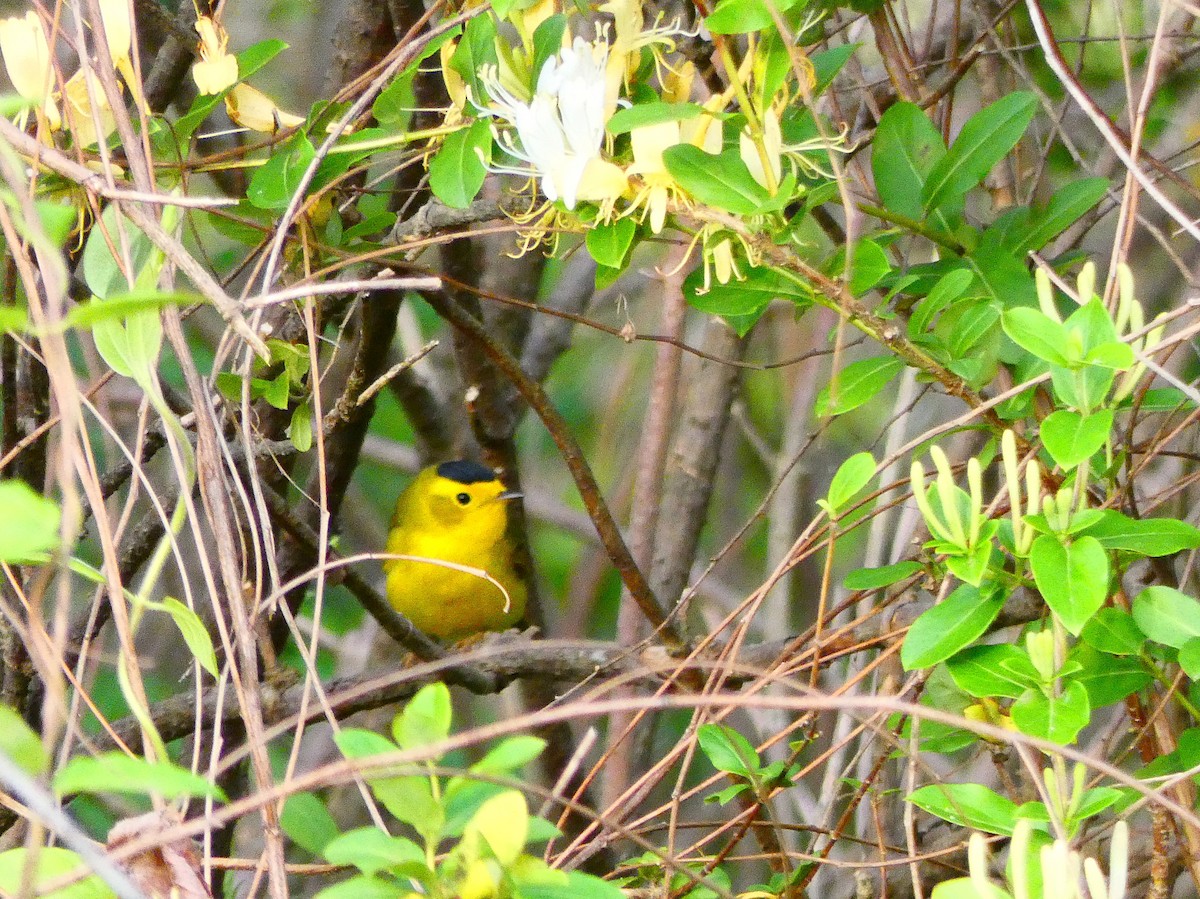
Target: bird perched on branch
[[457, 577]]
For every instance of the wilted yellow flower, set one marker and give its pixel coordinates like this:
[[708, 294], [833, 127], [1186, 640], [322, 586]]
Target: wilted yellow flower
[[27, 59], [217, 68], [253, 109], [88, 126]]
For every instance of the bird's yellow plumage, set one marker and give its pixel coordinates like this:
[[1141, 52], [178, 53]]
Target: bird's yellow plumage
[[455, 512]]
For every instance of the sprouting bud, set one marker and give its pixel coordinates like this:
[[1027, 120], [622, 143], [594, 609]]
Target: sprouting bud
[[1045, 295], [1086, 282]]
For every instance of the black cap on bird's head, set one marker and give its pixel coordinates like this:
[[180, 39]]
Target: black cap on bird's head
[[464, 471]]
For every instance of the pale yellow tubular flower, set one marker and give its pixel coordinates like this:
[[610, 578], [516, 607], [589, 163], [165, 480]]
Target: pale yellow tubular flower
[[704, 131], [602, 182], [27, 60], [1045, 295], [456, 88], [217, 68], [772, 140], [724, 262], [118, 33], [88, 126], [677, 85], [654, 197], [253, 109], [1085, 284]]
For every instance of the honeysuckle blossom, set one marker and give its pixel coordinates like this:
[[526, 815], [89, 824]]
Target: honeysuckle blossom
[[89, 125], [771, 152], [631, 36], [27, 60], [659, 190], [217, 68], [253, 109], [560, 130], [118, 34]]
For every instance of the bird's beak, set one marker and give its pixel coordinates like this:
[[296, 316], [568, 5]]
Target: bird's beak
[[511, 494]]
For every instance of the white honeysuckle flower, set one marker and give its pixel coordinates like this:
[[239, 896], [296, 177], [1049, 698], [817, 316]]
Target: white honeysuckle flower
[[560, 130], [772, 140], [27, 60], [217, 68]]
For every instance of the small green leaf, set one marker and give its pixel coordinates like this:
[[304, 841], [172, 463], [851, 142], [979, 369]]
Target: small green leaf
[[721, 181], [101, 271], [744, 16], [1065, 208], [654, 113], [52, 864], [728, 750], [1145, 536], [906, 148], [1071, 438], [503, 823], [547, 41], [195, 635], [968, 805], [948, 288], [371, 850], [885, 576], [984, 140], [356, 743], [426, 718], [1113, 631], [1189, 658], [115, 772], [870, 266], [122, 305], [307, 822], [258, 55], [609, 244], [30, 523], [476, 50], [950, 626], [509, 755], [1167, 616], [852, 476], [130, 346], [457, 171], [19, 742], [1072, 578], [1057, 718], [1035, 332], [856, 384], [411, 800], [273, 184], [993, 670], [361, 887], [300, 430]]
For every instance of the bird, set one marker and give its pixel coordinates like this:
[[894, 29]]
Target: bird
[[457, 513]]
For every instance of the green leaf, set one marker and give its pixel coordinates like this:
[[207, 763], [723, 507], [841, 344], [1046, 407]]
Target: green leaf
[[1064, 209], [948, 288], [509, 755], [728, 750], [744, 16], [1072, 578], [547, 41], [884, 576], [1189, 658], [993, 670], [741, 302], [827, 63], [426, 718], [609, 244], [984, 140], [258, 55], [115, 772], [1145, 536], [852, 476], [906, 148], [52, 863], [948, 627], [30, 523], [1071, 438], [870, 266], [273, 184], [1107, 678], [967, 888], [968, 805], [356, 743], [411, 801], [307, 822], [653, 113], [122, 305], [503, 823], [130, 346], [1056, 718], [457, 171], [1113, 630], [58, 220], [576, 885], [101, 271], [195, 635], [20, 743], [857, 383], [1035, 332], [361, 887], [1167, 616], [300, 429], [476, 50], [371, 850], [721, 181]]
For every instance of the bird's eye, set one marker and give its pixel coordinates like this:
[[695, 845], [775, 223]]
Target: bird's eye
[[463, 498]]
